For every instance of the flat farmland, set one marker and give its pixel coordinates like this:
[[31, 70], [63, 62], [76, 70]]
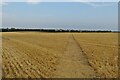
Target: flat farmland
[[101, 49], [59, 55]]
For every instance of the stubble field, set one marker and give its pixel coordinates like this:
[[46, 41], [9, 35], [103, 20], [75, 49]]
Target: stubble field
[[48, 55]]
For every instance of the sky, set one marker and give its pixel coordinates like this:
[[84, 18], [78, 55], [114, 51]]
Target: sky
[[61, 15]]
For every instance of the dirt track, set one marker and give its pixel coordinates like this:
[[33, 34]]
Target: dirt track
[[74, 64]]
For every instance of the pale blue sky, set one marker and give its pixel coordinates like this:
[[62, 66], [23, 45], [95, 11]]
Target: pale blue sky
[[67, 15]]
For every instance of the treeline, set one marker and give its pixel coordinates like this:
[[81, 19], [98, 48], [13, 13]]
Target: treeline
[[49, 30]]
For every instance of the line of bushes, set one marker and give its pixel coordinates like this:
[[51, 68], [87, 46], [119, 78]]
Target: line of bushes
[[49, 30]]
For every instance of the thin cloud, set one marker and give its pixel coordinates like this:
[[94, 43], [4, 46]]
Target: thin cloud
[[89, 2], [2, 3], [36, 1], [99, 4], [33, 1], [94, 0]]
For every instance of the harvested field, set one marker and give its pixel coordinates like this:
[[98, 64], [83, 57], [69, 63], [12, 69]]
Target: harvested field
[[101, 49], [66, 55], [0, 55], [31, 54]]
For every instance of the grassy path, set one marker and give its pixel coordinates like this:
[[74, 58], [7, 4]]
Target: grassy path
[[73, 64]]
